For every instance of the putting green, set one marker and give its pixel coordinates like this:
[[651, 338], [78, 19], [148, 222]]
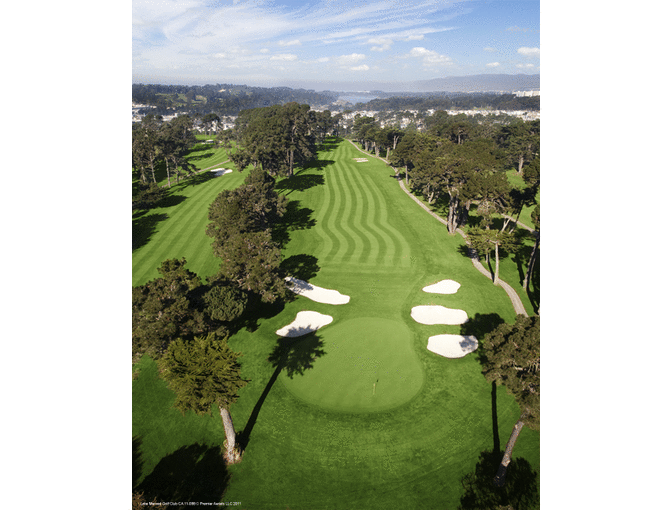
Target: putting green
[[358, 353]]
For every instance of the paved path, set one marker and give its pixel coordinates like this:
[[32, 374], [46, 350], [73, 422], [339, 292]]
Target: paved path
[[513, 295]]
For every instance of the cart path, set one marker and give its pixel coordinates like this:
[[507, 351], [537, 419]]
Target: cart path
[[513, 295]]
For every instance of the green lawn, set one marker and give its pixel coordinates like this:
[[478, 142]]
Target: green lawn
[[177, 228], [317, 435]]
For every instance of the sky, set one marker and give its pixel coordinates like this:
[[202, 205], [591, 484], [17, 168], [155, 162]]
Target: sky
[[281, 42]]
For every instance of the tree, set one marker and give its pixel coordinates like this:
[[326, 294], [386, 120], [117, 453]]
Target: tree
[[521, 140], [203, 372], [535, 251], [163, 309], [175, 139], [484, 241], [240, 225], [510, 356]]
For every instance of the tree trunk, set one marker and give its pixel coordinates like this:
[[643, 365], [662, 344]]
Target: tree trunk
[[496, 280], [521, 160], [291, 162], [500, 477], [168, 172], [232, 453], [387, 156], [453, 214], [406, 168], [530, 265]]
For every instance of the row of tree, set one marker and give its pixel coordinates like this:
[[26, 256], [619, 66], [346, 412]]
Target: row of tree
[[280, 138], [222, 99], [156, 142], [424, 102], [185, 324]]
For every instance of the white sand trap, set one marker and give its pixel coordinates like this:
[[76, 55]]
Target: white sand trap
[[221, 171], [318, 294], [305, 322], [361, 160], [452, 346], [443, 287], [435, 314]]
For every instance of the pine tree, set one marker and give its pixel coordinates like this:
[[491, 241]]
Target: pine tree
[[510, 355], [203, 372]]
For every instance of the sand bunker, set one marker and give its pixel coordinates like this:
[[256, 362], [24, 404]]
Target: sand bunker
[[452, 346], [443, 287], [438, 315], [318, 294], [360, 160], [305, 322], [221, 171]]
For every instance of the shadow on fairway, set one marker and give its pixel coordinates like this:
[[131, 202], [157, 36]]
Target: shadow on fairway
[[481, 324], [191, 473], [205, 155], [295, 218], [144, 227], [295, 355], [195, 180], [300, 266], [520, 490], [137, 460], [298, 182], [256, 310], [171, 201]]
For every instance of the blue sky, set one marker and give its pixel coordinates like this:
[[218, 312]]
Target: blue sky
[[275, 42]]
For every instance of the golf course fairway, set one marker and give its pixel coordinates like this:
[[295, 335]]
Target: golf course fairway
[[316, 431]]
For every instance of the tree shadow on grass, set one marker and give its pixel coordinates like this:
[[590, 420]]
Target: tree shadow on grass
[[195, 180], [302, 266], [295, 355], [256, 310], [295, 218], [195, 473], [299, 182], [144, 227], [171, 200], [480, 325], [137, 460], [520, 492]]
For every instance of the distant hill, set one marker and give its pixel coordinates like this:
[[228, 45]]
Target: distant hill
[[479, 83], [474, 83]]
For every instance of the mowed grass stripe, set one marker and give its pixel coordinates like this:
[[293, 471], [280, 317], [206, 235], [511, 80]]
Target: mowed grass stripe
[[182, 234], [373, 240], [402, 247], [335, 216], [351, 217], [321, 217], [388, 255], [179, 230]]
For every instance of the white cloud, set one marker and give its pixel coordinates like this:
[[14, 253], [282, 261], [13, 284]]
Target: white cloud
[[382, 44], [285, 57], [363, 67], [430, 58], [419, 37], [323, 59], [493, 64], [264, 50], [524, 66], [295, 42], [488, 48], [529, 52], [350, 59]]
